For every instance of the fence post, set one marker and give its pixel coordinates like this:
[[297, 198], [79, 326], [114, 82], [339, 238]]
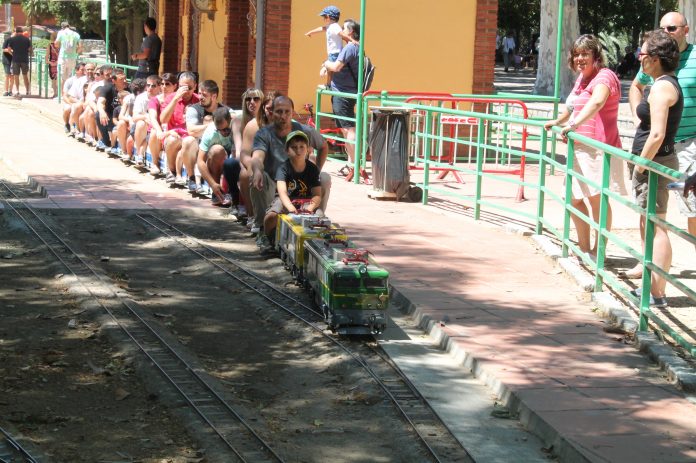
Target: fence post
[[648, 253], [426, 156], [603, 207], [480, 155], [568, 196], [542, 182]]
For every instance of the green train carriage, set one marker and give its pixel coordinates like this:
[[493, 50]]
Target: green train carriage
[[350, 288]]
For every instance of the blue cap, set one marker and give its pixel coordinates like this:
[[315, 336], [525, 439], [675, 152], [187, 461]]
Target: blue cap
[[332, 12]]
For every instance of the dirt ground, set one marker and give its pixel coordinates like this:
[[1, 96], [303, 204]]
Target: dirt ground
[[79, 393]]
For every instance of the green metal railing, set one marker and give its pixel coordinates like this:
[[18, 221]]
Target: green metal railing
[[428, 135]]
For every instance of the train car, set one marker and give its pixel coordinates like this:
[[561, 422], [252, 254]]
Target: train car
[[291, 233], [351, 289]]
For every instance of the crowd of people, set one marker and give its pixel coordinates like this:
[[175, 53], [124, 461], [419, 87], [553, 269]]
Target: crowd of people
[[247, 159], [663, 101]]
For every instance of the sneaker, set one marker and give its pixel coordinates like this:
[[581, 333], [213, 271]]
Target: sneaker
[[202, 190], [113, 151], [659, 302], [138, 159], [180, 181], [67, 129], [154, 170], [264, 243], [241, 211], [234, 213], [100, 146], [255, 229], [80, 137], [170, 177], [250, 222], [192, 186], [226, 200]]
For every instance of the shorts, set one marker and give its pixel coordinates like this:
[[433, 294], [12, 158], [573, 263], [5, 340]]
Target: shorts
[[8, 68], [686, 153], [639, 184], [332, 57], [344, 107], [17, 67], [589, 162], [278, 208]]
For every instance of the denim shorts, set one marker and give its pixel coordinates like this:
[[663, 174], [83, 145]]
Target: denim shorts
[[343, 107]]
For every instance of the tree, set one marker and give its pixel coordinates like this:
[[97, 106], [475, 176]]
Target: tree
[[544, 84]]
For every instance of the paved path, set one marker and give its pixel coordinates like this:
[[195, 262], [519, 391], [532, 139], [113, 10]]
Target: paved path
[[498, 303]]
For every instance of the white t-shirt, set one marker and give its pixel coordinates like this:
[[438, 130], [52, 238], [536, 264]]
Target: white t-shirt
[[140, 104], [334, 43]]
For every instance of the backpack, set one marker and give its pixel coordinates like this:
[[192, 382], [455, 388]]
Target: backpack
[[368, 73]]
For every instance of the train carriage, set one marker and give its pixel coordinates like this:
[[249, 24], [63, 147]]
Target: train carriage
[[293, 230], [351, 289]]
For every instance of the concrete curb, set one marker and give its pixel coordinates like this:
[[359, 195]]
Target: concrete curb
[[527, 417]]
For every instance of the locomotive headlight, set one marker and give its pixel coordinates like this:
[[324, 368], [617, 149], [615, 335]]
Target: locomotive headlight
[[362, 269]]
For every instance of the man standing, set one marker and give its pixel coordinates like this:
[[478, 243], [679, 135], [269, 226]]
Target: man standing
[[269, 153], [21, 48], [7, 65], [345, 79], [149, 56], [685, 141], [68, 42], [509, 51]]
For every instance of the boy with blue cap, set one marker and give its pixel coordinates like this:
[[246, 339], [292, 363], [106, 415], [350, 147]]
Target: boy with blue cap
[[334, 37]]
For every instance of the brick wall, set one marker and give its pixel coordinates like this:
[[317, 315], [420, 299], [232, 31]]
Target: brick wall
[[484, 46], [169, 25], [237, 62], [277, 45]]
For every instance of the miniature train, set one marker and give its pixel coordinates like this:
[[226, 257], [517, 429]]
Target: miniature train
[[351, 289]]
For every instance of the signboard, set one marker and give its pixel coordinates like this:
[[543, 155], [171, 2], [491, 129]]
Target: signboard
[[458, 120], [104, 9]]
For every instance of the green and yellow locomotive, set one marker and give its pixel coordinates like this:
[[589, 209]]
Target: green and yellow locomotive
[[351, 290]]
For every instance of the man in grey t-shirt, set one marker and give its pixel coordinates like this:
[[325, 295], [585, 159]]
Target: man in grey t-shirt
[[268, 153], [150, 50]]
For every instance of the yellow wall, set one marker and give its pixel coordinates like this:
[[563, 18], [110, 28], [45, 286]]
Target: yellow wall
[[211, 46], [416, 45]]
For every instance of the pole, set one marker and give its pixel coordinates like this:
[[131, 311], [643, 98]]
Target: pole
[[559, 49], [657, 14], [260, 39], [359, 99], [107, 31]]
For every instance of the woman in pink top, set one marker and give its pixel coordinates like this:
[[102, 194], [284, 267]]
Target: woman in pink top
[[592, 110]]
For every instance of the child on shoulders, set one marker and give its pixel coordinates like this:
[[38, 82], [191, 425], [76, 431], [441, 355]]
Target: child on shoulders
[[334, 37]]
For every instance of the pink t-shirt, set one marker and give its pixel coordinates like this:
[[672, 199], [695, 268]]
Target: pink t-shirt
[[178, 120], [602, 126]]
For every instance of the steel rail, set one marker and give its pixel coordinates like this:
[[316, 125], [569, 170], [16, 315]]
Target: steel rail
[[8, 455], [402, 397], [159, 351]]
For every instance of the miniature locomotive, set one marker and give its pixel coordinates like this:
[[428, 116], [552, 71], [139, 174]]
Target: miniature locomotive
[[347, 285]]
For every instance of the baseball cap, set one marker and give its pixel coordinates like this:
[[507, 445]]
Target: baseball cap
[[296, 134], [331, 11], [64, 24]]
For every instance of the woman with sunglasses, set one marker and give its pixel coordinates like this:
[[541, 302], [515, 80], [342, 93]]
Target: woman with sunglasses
[[262, 119], [157, 132], [660, 113], [592, 110]]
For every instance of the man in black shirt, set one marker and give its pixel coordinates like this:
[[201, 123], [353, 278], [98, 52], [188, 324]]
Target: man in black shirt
[[150, 50], [21, 47], [107, 99]]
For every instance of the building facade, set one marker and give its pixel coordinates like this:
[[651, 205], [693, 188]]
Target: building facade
[[443, 46]]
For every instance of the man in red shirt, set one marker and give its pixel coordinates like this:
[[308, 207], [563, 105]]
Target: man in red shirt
[[173, 114]]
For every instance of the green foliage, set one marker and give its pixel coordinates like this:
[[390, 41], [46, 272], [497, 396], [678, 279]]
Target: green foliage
[[40, 44], [614, 45]]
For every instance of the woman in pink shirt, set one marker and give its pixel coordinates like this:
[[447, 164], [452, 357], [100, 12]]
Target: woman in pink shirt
[[592, 110]]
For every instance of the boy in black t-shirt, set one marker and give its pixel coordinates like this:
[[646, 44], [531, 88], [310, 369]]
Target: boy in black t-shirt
[[296, 178]]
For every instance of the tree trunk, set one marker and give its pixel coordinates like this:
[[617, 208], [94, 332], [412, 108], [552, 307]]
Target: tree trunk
[[547, 47]]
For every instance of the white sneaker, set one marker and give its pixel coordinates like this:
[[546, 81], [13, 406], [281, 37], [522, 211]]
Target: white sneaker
[[255, 229], [241, 211]]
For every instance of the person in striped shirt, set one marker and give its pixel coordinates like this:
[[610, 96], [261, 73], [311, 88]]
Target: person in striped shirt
[[675, 24]]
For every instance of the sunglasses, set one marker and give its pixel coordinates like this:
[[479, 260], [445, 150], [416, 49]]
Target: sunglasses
[[255, 98], [226, 131], [671, 28]]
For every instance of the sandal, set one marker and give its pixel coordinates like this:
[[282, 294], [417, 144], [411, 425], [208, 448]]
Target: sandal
[[345, 170], [632, 274]]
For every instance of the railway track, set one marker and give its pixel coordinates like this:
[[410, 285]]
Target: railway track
[[435, 436], [238, 436], [12, 451]]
